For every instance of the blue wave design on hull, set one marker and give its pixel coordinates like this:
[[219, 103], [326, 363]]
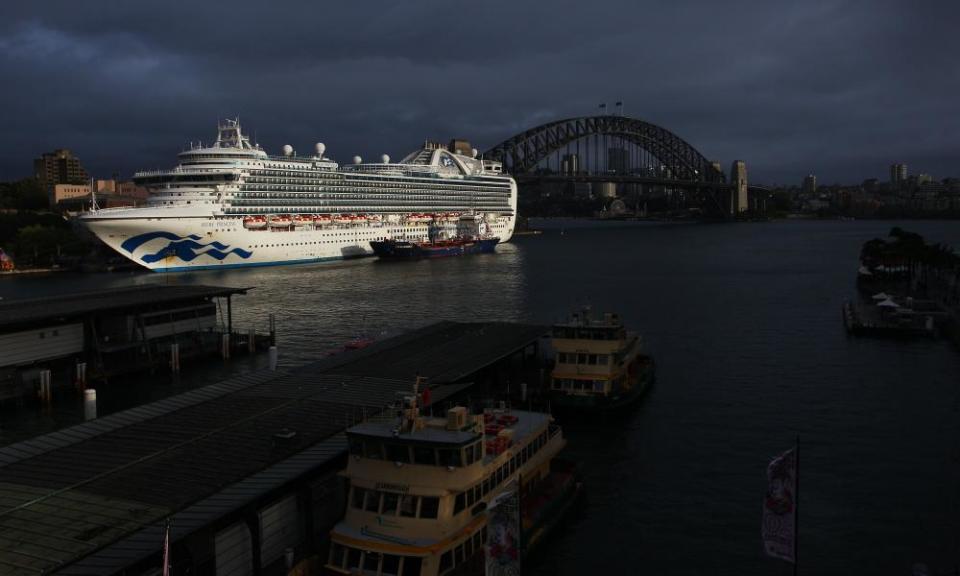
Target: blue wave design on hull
[[134, 242], [185, 248], [188, 250]]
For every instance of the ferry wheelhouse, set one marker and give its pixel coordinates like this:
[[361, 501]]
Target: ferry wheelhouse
[[231, 204], [420, 488], [598, 365]]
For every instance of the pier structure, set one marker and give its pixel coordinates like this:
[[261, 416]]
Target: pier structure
[[246, 471], [103, 333]]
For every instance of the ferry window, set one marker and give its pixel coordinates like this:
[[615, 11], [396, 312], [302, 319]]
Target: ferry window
[[477, 542], [390, 566], [336, 555], [581, 359], [603, 359], [450, 457], [469, 455], [598, 385], [429, 507], [461, 554], [513, 464], [476, 493], [358, 494], [372, 449], [371, 562], [557, 384], [424, 455], [460, 503], [353, 558], [486, 486], [592, 359], [373, 501], [390, 501], [500, 474], [468, 547], [412, 565], [408, 506], [446, 562], [398, 453], [356, 446]]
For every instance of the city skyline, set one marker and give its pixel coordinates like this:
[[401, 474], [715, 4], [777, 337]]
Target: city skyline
[[841, 89]]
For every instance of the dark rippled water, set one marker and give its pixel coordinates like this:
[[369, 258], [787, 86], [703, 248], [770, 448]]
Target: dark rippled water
[[744, 321]]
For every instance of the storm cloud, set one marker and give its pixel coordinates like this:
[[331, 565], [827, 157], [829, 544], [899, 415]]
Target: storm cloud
[[837, 88]]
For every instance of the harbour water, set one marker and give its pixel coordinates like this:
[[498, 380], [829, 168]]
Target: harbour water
[[744, 321]]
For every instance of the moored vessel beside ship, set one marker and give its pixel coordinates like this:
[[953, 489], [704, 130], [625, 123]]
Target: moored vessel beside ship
[[472, 236]]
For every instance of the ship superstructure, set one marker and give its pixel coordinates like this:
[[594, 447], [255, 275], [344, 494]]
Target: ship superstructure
[[420, 488], [231, 204]]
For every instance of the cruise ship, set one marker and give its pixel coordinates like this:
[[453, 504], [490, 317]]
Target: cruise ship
[[230, 204]]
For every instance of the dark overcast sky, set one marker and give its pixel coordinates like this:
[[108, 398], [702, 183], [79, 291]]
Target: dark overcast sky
[[841, 89]]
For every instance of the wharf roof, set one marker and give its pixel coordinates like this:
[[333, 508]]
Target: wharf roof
[[91, 499], [443, 352], [20, 312]]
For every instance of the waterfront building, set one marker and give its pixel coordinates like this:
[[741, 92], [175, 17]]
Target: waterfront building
[[605, 190], [898, 175], [57, 193], [738, 178], [717, 166], [809, 184], [59, 167], [618, 160], [570, 164]]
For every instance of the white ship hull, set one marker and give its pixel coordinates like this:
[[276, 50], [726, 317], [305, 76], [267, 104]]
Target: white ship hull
[[172, 244]]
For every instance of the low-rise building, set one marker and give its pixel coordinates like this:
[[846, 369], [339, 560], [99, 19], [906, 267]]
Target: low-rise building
[[60, 192]]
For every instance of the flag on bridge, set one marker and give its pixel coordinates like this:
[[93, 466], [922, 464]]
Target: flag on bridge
[[779, 526], [603, 106], [619, 104]]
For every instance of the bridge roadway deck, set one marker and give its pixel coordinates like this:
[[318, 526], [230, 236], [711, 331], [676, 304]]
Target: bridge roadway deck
[[92, 499]]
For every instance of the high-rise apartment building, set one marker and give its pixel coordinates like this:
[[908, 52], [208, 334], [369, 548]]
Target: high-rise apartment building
[[809, 184], [59, 167], [898, 174]]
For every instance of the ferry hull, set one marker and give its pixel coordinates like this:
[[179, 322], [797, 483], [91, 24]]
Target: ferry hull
[[598, 404]]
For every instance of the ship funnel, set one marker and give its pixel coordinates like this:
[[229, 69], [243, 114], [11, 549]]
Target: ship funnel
[[320, 148]]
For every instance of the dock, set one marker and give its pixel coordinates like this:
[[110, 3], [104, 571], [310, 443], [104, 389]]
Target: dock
[[64, 340], [245, 471]]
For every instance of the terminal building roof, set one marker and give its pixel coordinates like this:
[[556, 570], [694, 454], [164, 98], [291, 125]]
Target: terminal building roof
[[26, 312]]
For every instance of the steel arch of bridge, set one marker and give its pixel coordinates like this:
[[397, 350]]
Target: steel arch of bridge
[[521, 153]]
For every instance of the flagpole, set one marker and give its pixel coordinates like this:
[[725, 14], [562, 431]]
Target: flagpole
[[796, 511]]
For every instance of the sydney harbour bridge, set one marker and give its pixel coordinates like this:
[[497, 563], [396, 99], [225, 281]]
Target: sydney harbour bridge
[[618, 157]]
